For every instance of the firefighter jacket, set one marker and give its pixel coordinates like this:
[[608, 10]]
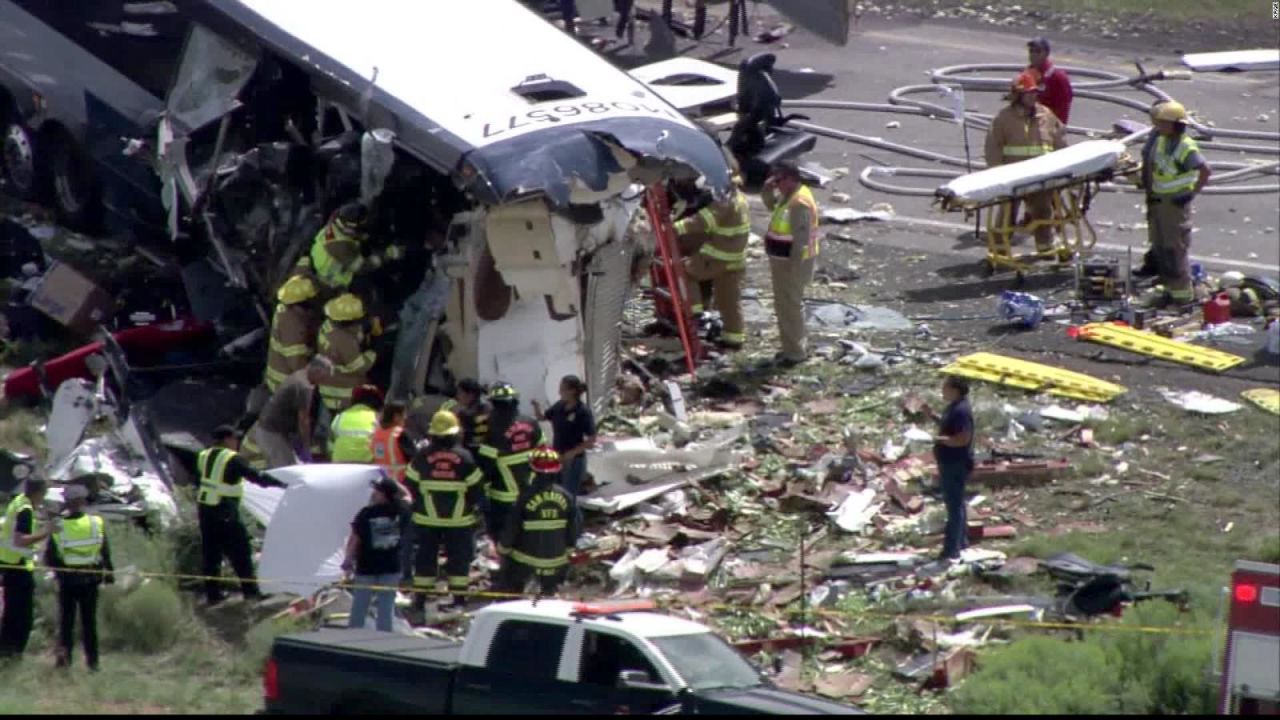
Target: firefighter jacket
[[343, 343], [504, 455], [542, 526], [474, 420], [1015, 136], [446, 486], [335, 257], [726, 225], [292, 342]]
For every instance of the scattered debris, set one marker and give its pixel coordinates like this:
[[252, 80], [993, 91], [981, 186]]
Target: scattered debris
[[1195, 401]]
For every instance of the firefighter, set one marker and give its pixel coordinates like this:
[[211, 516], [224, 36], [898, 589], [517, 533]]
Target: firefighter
[[446, 487], [293, 330], [336, 254], [222, 473], [81, 552], [792, 246], [1173, 173], [541, 529], [472, 411], [1026, 129], [721, 259], [504, 454], [389, 445], [342, 340], [351, 434]]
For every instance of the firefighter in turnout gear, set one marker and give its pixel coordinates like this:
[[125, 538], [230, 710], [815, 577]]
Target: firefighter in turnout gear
[[1173, 173], [337, 252], [541, 529], [222, 473], [724, 226], [472, 411], [342, 340], [1022, 130], [446, 487], [504, 454], [792, 246], [351, 434], [81, 556], [293, 330]]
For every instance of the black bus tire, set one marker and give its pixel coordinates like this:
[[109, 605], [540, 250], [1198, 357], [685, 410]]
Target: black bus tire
[[76, 194]]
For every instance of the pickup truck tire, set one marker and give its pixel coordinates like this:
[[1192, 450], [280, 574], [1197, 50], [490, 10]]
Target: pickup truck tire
[[19, 158], [76, 193]]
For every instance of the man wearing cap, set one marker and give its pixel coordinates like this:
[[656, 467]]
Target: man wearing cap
[[541, 528], [1057, 86], [1025, 129], [374, 554], [792, 246], [1173, 173], [79, 554], [222, 473], [447, 490], [23, 531]]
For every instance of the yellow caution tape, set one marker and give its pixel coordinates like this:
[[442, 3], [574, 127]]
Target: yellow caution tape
[[1152, 345], [1266, 398], [1033, 376]]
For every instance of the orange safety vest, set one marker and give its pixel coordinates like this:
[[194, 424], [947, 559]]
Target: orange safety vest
[[385, 444]]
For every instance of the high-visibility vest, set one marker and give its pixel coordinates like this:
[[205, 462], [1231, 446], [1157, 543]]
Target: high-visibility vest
[[1166, 178], [384, 444], [10, 553], [349, 435], [80, 541], [780, 224], [211, 464], [327, 268]]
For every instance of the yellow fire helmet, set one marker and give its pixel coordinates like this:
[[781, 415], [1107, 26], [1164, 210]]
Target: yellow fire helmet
[[444, 423], [344, 308], [296, 289], [1171, 111]]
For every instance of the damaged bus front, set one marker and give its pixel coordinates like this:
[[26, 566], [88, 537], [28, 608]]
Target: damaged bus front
[[507, 160]]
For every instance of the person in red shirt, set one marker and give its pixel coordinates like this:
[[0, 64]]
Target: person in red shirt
[[1057, 86]]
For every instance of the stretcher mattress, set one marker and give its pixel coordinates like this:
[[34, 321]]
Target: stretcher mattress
[[1234, 61], [1057, 169]]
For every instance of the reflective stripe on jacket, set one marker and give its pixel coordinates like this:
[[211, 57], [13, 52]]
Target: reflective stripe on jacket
[[728, 223], [1015, 136], [10, 553], [780, 223], [1167, 176], [80, 541], [290, 347], [211, 465], [445, 484], [342, 343]]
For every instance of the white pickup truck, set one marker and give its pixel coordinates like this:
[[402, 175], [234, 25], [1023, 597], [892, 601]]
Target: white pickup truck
[[525, 657]]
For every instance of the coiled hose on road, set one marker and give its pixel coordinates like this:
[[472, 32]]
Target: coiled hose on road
[[947, 80]]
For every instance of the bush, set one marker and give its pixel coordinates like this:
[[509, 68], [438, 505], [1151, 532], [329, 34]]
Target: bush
[[258, 641], [1117, 672], [149, 618]]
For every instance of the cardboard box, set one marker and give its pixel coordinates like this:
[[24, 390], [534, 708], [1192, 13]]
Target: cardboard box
[[72, 299]]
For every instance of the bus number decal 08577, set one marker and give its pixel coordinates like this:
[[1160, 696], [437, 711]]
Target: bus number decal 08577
[[575, 111]]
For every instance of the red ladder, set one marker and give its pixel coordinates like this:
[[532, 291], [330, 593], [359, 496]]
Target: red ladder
[[667, 277]]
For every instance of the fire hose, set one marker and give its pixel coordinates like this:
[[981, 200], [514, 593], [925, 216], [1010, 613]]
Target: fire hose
[[953, 80]]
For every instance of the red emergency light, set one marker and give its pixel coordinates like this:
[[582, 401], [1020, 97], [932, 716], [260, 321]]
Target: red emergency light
[[590, 609], [1246, 593]]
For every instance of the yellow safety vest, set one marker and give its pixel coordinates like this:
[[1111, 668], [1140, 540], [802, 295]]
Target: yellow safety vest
[[780, 224], [10, 553], [328, 270], [350, 433], [80, 541], [1166, 178], [211, 464]]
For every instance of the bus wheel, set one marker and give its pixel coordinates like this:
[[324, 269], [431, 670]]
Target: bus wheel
[[18, 161], [75, 189]]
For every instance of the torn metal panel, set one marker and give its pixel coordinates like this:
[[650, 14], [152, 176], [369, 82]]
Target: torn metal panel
[[210, 77], [608, 285]]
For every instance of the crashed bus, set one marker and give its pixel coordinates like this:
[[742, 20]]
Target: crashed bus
[[511, 184]]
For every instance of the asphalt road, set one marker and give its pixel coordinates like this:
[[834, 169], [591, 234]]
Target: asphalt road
[[1239, 232]]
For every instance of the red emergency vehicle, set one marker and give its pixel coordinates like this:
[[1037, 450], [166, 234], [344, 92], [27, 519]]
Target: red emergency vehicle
[[1250, 682]]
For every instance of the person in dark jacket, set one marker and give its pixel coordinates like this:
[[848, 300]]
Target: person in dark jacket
[[573, 431], [953, 450], [81, 558], [374, 553], [540, 531], [503, 455]]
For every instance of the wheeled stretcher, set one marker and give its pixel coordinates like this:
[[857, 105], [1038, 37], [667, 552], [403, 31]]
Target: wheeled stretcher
[[1070, 177]]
